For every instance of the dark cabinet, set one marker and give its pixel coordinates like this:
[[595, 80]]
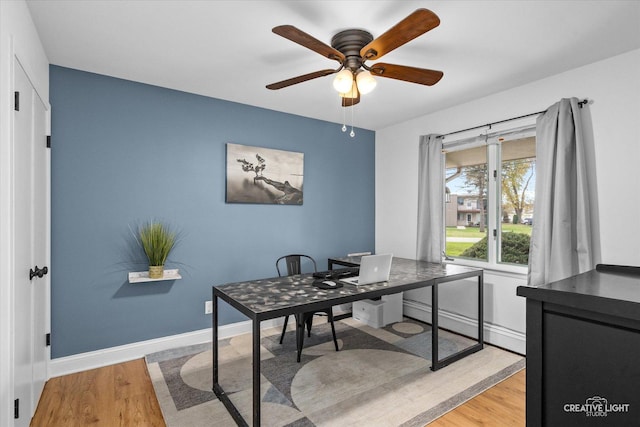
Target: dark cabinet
[[583, 349]]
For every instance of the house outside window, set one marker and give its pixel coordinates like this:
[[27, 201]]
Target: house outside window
[[490, 183]]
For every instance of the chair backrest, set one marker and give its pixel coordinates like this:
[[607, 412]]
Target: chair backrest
[[294, 263]]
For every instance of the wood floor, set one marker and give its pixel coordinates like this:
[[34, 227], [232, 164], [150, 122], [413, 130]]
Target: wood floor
[[116, 395], [503, 405], [122, 395]]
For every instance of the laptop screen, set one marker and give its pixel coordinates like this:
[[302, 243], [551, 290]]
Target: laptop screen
[[373, 269]]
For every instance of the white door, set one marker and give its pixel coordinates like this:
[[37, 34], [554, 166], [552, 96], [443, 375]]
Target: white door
[[31, 295]]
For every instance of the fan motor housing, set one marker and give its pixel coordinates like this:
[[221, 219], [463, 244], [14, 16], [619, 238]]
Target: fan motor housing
[[350, 42]]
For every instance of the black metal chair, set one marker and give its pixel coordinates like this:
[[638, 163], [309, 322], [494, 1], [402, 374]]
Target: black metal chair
[[294, 266]]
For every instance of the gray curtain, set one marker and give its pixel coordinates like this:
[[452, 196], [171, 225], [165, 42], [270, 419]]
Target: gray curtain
[[561, 239], [430, 243]]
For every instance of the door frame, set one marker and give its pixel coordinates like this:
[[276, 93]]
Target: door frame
[[18, 38], [7, 220]]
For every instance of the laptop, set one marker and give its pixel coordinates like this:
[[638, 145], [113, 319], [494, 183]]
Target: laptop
[[373, 269]]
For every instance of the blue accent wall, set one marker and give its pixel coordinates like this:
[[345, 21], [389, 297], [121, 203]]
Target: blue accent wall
[[125, 152]]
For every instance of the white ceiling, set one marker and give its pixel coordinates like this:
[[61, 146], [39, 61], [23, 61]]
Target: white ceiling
[[226, 50]]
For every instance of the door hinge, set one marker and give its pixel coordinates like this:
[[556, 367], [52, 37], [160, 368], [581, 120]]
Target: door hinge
[[495, 173], [48, 339], [16, 101], [48, 141], [495, 232], [16, 409]]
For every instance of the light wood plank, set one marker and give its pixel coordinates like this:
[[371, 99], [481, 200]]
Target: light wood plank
[[503, 405], [116, 395]]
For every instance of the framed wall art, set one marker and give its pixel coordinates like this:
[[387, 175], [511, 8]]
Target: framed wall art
[[264, 175]]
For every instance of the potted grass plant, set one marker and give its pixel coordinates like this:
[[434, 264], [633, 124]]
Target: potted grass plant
[[157, 240]]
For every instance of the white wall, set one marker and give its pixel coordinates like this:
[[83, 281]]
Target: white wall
[[612, 85], [18, 38]]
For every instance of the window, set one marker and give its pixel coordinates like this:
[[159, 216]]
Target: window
[[490, 187]]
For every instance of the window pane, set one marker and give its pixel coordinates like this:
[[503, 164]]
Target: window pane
[[518, 196], [466, 204]]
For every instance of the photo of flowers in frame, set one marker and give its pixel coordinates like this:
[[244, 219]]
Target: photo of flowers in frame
[[264, 175]]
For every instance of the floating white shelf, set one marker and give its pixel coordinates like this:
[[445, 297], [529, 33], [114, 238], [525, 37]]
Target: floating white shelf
[[143, 276]]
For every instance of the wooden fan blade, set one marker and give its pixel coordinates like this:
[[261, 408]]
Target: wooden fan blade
[[414, 25], [300, 79], [298, 36], [408, 74]]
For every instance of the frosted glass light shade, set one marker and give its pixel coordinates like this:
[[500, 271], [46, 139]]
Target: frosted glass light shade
[[366, 82], [351, 93], [343, 81]]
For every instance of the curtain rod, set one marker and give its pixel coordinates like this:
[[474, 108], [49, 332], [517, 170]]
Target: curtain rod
[[580, 103]]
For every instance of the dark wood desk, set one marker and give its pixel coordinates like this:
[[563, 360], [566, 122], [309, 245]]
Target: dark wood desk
[[276, 297], [583, 342]]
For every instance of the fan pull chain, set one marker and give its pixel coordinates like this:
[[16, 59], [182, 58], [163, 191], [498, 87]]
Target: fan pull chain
[[352, 133], [344, 119]]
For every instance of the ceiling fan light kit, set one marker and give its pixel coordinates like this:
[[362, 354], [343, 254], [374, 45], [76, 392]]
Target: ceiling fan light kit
[[366, 82], [351, 48], [351, 93], [343, 81]]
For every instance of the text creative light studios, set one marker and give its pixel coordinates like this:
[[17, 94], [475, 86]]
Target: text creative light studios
[[596, 407]]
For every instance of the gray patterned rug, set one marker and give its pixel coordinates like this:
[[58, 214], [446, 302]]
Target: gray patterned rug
[[380, 377]]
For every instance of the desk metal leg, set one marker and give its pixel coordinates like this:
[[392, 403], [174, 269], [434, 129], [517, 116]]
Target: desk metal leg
[[256, 372], [214, 342], [441, 363], [481, 310], [217, 388], [434, 327]]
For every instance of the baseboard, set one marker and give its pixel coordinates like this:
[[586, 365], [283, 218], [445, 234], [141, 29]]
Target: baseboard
[[109, 356], [493, 334]]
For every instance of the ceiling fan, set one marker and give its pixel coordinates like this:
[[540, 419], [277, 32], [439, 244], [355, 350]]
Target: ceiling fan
[[353, 47]]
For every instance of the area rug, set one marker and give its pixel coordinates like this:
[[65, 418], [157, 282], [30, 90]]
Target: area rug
[[380, 377]]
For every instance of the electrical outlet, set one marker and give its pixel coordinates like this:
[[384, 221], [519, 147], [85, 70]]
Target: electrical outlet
[[208, 307]]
